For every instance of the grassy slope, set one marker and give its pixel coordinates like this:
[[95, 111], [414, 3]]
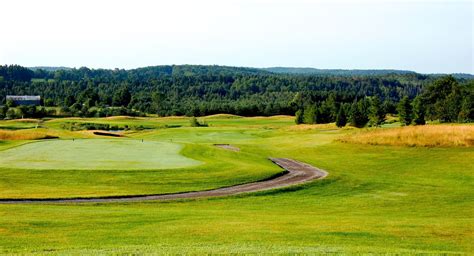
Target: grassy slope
[[98, 154], [376, 199]]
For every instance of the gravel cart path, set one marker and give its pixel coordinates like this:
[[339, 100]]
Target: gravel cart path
[[296, 173]]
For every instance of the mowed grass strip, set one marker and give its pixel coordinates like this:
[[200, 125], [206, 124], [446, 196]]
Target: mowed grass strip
[[215, 168], [95, 154]]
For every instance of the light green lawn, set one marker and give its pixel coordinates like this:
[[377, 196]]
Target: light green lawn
[[217, 168], [376, 199], [95, 154]]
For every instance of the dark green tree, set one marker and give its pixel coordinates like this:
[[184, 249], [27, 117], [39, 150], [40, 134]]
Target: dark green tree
[[443, 99], [10, 103], [309, 115], [418, 111], [466, 114], [341, 118], [157, 99], [376, 112], [324, 113], [48, 102], [299, 116], [332, 107], [358, 114], [405, 112], [69, 100], [3, 111], [121, 97], [88, 96]]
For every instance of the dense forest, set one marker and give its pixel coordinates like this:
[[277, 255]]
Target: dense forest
[[354, 72], [202, 90]]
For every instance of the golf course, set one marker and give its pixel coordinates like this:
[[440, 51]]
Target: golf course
[[364, 192], [243, 127]]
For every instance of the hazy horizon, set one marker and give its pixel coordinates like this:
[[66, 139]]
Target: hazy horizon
[[422, 36]]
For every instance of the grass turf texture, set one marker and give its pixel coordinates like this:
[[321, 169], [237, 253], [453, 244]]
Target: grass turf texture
[[376, 199], [95, 154], [219, 168]]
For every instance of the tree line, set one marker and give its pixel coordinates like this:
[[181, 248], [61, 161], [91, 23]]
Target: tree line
[[445, 99], [203, 90]]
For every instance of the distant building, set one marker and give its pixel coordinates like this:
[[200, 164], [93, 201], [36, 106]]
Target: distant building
[[25, 99]]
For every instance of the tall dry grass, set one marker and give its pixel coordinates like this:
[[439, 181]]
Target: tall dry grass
[[424, 136], [306, 127], [34, 134]]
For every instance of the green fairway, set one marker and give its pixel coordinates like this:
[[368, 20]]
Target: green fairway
[[376, 199], [111, 167], [97, 154]]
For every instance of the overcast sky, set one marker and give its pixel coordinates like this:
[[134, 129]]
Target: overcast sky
[[424, 36]]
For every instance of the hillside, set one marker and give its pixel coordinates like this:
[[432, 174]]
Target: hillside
[[196, 90], [337, 72], [356, 72]]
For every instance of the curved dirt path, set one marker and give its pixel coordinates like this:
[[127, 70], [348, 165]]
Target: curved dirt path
[[296, 173]]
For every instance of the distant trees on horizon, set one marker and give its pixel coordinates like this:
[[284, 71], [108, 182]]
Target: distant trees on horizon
[[204, 90]]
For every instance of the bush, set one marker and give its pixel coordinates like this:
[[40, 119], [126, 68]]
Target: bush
[[193, 122]]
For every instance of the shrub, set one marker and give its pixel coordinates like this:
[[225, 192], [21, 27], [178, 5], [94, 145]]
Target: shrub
[[193, 122]]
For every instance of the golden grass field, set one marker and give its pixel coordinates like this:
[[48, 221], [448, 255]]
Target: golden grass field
[[426, 136], [42, 133], [30, 134]]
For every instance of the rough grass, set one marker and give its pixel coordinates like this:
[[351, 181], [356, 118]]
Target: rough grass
[[424, 136], [30, 134], [305, 127], [222, 116]]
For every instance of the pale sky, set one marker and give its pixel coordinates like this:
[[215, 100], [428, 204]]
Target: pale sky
[[424, 36]]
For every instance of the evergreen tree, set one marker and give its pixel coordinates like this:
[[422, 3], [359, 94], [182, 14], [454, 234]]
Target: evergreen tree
[[405, 112], [451, 106], [389, 106], [418, 111], [333, 107], [359, 116], [323, 113], [376, 112], [299, 116], [309, 116], [341, 118]]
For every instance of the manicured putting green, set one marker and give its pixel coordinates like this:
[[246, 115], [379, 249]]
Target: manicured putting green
[[96, 154]]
